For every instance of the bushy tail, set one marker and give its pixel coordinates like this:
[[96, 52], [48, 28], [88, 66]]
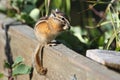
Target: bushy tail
[[38, 60]]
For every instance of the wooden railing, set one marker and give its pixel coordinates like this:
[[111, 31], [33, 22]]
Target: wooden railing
[[62, 63]]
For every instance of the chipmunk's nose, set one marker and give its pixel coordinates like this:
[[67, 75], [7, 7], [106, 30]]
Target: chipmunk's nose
[[66, 27]]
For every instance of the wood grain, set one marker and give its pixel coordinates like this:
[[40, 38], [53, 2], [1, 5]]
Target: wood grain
[[106, 57]]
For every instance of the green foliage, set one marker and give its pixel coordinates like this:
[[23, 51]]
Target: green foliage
[[104, 34], [17, 61], [19, 68], [34, 14], [72, 41], [29, 11], [6, 64], [113, 20], [78, 32], [23, 8]]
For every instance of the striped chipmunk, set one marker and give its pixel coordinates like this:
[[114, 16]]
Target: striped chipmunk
[[46, 30]]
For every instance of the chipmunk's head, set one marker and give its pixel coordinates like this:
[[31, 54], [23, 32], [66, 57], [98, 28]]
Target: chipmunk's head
[[60, 18]]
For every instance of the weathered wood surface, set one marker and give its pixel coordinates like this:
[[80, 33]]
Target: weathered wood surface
[[61, 62], [105, 57]]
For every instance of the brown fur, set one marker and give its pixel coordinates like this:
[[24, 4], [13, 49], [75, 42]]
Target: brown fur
[[46, 30]]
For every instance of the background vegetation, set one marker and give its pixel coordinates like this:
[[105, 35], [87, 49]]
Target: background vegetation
[[95, 23]]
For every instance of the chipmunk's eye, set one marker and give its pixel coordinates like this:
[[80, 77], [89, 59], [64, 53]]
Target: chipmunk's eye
[[63, 18]]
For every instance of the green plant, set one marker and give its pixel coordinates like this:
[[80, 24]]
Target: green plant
[[104, 33], [29, 11], [113, 23], [18, 68], [113, 11]]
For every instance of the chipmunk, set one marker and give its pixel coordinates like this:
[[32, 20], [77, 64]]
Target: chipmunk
[[46, 29]]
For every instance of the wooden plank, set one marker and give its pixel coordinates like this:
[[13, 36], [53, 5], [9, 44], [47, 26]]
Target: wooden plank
[[105, 57], [62, 63]]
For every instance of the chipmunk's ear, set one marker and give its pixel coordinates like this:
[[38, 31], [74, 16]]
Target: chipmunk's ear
[[53, 13], [56, 12]]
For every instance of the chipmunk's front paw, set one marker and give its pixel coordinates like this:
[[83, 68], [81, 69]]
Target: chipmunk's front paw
[[53, 43]]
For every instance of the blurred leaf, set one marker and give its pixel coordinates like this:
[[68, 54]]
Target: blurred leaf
[[101, 40], [17, 3], [98, 2], [32, 1], [2, 8], [68, 6], [21, 69], [47, 5], [26, 19], [117, 49], [110, 41], [17, 61], [11, 13], [71, 41], [28, 8], [1, 75], [77, 31], [103, 23], [6, 65], [54, 5], [34, 14]]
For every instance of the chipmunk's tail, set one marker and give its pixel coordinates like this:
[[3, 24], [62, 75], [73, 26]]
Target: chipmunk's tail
[[38, 60]]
